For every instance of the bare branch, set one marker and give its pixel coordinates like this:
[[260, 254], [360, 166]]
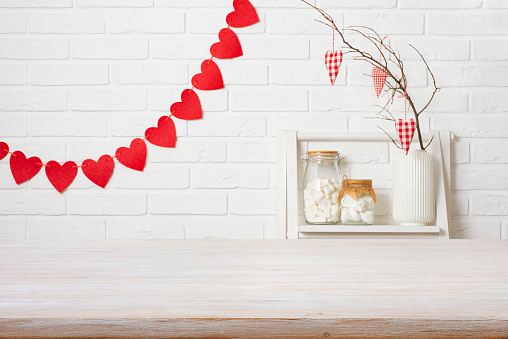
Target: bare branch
[[395, 142], [395, 84], [429, 142]]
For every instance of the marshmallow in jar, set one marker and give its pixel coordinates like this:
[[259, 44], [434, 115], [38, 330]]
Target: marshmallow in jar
[[321, 188], [357, 199]]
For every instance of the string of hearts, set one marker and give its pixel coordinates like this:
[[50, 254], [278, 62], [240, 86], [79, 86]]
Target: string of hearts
[[164, 135]]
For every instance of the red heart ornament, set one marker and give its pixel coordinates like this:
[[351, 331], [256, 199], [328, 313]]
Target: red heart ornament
[[164, 134], [333, 60], [4, 150], [379, 77], [406, 131], [189, 108], [99, 172], [133, 157], [210, 79], [244, 14], [228, 46], [24, 169], [61, 176]]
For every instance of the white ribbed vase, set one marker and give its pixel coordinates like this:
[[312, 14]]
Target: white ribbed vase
[[414, 200]]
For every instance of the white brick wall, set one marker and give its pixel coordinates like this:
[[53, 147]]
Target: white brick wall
[[80, 78]]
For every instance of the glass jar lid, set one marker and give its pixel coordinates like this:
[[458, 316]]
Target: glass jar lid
[[321, 155]]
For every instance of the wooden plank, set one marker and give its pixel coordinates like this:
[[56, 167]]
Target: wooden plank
[[445, 139], [292, 185], [255, 328], [367, 229], [358, 137], [253, 288], [281, 185]]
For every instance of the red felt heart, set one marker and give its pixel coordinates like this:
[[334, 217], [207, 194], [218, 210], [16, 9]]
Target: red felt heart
[[61, 176], [244, 14], [24, 169], [333, 60], [210, 79], [189, 108], [99, 172], [164, 134], [228, 46], [4, 150], [406, 131], [133, 157], [379, 77]]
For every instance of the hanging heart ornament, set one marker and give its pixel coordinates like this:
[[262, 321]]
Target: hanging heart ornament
[[406, 131], [379, 77], [333, 60]]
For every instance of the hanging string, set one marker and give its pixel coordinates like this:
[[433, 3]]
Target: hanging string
[[405, 104], [333, 40], [10, 152]]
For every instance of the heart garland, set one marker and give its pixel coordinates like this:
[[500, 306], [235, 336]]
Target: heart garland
[[406, 131], [134, 156], [189, 108], [4, 150], [228, 46], [210, 77], [244, 14], [99, 172], [333, 60], [61, 176], [24, 169], [164, 135]]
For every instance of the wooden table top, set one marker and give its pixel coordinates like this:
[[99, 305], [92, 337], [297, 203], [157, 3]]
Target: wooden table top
[[235, 288]]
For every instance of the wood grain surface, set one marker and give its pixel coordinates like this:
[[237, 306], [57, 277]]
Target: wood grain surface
[[233, 288]]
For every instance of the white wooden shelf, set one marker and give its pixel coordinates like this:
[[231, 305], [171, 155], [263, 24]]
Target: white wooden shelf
[[288, 224], [367, 229]]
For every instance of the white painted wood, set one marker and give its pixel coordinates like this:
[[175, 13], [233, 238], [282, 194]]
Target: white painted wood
[[292, 185], [367, 229], [281, 226], [446, 137], [197, 288], [441, 204], [438, 149]]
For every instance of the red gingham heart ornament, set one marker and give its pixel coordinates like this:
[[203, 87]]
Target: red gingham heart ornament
[[406, 131], [333, 60], [379, 77]]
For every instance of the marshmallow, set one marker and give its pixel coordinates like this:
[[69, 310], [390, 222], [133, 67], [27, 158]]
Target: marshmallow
[[354, 216], [321, 203], [357, 212], [347, 201], [367, 217], [360, 205]]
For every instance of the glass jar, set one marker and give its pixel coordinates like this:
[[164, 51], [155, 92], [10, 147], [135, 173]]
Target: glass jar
[[321, 187], [357, 199]]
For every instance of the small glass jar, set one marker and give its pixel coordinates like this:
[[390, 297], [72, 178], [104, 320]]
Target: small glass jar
[[357, 199], [321, 187]]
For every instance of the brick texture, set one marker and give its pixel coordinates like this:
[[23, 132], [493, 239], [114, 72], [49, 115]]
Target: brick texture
[[80, 78]]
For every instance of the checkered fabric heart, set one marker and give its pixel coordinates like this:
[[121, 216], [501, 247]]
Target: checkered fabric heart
[[333, 60], [379, 77], [406, 131]]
